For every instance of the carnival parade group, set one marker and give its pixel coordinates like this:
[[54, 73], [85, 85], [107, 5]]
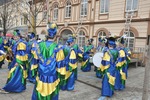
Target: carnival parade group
[[53, 67]]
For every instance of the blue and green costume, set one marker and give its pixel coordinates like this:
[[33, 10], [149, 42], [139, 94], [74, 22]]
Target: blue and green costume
[[108, 68], [79, 56], [33, 58], [17, 75], [88, 52], [128, 59], [8, 48], [121, 68], [51, 61], [2, 57], [71, 54], [102, 49]]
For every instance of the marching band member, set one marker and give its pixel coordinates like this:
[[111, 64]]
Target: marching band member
[[128, 54], [2, 56], [51, 61], [6, 43], [33, 58], [107, 67], [88, 52], [71, 52], [71, 64], [8, 49], [79, 54], [64, 77], [16, 81], [101, 48], [12, 42], [121, 66]]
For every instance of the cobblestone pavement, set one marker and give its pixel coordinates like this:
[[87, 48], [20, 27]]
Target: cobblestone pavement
[[87, 88]]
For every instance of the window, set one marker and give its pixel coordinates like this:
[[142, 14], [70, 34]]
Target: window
[[55, 17], [130, 40], [131, 5], [44, 12], [21, 21], [104, 6], [84, 5], [0, 23], [25, 19], [68, 9], [44, 15], [101, 34], [81, 39], [16, 22]]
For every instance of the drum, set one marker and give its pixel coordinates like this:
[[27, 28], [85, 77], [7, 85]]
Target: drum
[[97, 58]]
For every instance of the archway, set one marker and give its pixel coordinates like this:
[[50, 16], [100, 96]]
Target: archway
[[81, 38], [130, 39], [101, 34], [64, 36]]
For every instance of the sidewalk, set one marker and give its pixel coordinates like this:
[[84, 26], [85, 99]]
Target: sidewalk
[[84, 91]]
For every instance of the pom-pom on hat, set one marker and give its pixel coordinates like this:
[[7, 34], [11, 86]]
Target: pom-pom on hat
[[90, 40], [103, 40], [52, 30], [121, 40], [74, 36]]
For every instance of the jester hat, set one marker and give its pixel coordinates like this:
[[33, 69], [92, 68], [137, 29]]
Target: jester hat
[[52, 30]]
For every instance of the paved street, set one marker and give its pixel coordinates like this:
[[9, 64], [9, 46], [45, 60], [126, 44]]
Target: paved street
[[86, 88]]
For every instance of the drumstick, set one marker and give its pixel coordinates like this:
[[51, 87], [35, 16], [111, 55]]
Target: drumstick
[[2, 52]]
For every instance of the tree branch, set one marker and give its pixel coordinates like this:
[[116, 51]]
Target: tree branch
[[40, 7], [41, 21]]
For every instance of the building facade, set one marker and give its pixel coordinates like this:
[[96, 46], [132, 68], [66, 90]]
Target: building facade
[[94, 18]]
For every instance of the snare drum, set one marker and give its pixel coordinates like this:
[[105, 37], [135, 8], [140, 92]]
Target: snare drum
[[97, 58]]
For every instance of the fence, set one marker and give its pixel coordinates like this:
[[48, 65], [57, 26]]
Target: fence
[[139, 53]]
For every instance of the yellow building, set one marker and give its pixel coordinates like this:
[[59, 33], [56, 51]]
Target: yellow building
[[94, 18]]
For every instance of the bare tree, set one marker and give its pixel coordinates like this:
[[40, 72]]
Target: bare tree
[[7, 15], [31, 10]]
